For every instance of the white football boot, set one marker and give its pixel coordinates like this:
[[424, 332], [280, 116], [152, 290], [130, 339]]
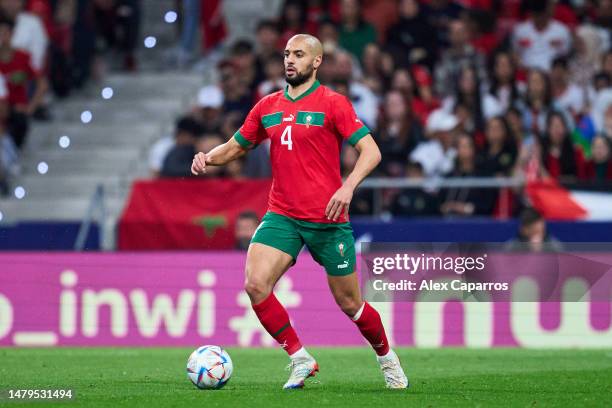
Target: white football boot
[[392, 370], [302, 367]]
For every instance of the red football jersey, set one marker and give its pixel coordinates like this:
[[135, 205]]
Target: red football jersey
[[18, 71], [306, 135]]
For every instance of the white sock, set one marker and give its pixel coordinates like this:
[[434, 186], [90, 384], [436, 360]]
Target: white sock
[[359, 312], [300, 354], [386, 356]]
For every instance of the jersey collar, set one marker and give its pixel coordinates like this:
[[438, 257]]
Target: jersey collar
[[310, 90]]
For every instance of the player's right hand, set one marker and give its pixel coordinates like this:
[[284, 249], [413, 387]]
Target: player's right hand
[[198, 166]]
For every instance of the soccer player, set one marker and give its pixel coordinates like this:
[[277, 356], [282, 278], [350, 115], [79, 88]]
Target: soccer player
[[308, 203]]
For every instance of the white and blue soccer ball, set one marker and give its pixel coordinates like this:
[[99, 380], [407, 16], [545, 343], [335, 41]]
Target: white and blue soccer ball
[[209, 367]]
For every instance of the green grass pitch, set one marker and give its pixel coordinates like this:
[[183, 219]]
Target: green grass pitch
[[349, 377]]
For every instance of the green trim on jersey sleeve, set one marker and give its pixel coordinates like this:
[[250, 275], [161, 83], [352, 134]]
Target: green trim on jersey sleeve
[[242, 141], [358, 135]]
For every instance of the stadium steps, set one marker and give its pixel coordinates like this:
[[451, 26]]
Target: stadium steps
[[98, 136], [123, 111], [58, 209], [65, 185], [110, 151]]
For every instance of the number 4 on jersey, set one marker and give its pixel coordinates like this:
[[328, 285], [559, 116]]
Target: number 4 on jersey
[[286, 138]]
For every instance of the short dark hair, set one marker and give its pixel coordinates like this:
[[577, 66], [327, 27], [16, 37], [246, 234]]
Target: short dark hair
[[6, 20], [269, 25], [602, 76], [560, 61], [605, 139], [327, 21], [188, 125], [241, 47], [340, 81], [529, 216], [248, 215], [414, 165], [207, 135], [275, 58], [535, 6], [515, 110]]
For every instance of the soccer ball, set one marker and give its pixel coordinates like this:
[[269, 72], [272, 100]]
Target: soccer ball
[[209, 367]]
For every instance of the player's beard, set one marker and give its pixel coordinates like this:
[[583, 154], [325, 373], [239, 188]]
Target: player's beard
[[300, 77]]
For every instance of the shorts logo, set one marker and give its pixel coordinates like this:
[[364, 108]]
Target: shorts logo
[[340, 247], [343, 265]]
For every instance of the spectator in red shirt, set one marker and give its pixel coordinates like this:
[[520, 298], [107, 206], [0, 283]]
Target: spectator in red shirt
[[16, 67], [29, 32], [559, 156], [485, 36], [425, 100], [412, 89], [117, 23]]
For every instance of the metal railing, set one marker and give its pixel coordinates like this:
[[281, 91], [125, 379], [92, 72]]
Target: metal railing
[[378, 184], [95, 210]]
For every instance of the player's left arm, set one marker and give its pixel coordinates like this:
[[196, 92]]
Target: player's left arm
[[369, 157]]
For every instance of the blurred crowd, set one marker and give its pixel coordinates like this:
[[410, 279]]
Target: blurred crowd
[[49, 48], [472, 88]]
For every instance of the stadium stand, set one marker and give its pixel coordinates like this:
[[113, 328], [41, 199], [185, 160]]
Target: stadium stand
[[484, 97], [109, 149]]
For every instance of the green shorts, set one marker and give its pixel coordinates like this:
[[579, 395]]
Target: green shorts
[[331, 245]]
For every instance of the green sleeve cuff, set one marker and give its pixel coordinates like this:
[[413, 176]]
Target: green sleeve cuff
[[242, 141], [358, 135]]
